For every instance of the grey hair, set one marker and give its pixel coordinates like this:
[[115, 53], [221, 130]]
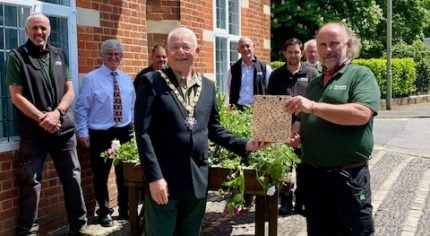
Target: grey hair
[[111, 44], [306, 45], [354, 51], [185, 31], [37, 15]]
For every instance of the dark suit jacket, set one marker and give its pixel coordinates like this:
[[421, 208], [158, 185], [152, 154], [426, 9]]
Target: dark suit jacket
[[167, 149]]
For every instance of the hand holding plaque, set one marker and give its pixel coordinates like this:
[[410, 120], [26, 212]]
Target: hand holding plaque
[[271, 123]]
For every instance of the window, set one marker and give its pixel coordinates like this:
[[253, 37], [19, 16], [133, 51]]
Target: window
[[59, 2], [12, 34], [227, 33]]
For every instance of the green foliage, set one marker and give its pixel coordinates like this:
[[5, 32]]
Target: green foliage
[[301, 19], [125, 152], [271, 164], [403, 74], [276, 64], [420, 52]]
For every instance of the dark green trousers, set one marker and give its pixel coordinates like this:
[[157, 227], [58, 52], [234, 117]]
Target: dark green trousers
[[182, 217]]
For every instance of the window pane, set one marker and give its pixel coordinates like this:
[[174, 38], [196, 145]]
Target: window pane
[[22, 16], [59, 33], [22, 37], [220, 14], [11, 16], [60, 2], [12, 38], [221, 63], [234, 54], [233, 17], [1, 15], [1, 38], [2, 96]]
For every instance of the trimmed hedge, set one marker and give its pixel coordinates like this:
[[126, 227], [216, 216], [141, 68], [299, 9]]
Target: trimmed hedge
[[403, 74]]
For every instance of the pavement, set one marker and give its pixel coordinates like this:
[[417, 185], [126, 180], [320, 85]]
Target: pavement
[[400, 180]]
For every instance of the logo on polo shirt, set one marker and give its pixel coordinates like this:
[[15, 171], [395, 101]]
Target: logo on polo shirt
[[339, 87]]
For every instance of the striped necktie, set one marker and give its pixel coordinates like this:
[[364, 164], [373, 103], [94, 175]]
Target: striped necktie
[[117, 106]]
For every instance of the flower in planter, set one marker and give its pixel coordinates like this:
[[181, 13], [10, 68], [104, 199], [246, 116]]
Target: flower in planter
[[125, 152]]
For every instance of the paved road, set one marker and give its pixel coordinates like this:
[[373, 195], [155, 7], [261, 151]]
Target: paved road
[[400, 170]]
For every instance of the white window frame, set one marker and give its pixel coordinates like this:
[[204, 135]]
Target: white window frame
[[57, 10], [224, 33]]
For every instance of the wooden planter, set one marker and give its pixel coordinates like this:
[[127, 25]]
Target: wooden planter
[[218, 175], [266, 207], [132, 173]]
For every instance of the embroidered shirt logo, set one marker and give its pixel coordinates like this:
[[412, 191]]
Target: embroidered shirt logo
[[339, 87], [58, 63]]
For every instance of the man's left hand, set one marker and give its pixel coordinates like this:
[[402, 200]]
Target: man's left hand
[[51, 121], [253, 145]]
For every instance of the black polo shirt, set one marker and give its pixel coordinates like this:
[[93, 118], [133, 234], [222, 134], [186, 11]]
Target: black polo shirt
[[283, 82]]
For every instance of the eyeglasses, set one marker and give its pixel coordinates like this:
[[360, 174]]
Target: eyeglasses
[[113, 54], [177, 47]]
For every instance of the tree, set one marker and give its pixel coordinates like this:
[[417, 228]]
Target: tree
[[301, 19]]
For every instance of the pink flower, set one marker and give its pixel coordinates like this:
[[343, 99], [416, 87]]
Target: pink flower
[[110, 151]]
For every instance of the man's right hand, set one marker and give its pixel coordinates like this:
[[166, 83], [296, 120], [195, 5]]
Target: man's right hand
[[159, 191], [84, 142]]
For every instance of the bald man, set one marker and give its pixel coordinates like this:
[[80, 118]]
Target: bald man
[[159, 61], [336, 137], [41, 89], [248, 76], [175, 114]]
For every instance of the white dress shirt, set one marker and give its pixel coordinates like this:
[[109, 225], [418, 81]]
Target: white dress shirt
[[94, 105], [246, 93]]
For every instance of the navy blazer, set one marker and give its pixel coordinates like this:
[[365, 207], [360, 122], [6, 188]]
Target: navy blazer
[[167, 149]]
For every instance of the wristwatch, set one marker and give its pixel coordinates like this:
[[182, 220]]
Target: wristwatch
[[61, 110]]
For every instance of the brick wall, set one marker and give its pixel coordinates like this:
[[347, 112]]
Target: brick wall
[[121, 20], [254, 16]]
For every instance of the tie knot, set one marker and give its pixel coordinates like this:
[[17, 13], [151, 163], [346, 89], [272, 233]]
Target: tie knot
[[114, 73]]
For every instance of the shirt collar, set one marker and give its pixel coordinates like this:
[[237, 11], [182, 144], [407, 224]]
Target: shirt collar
[[107, 71], [195, 79]]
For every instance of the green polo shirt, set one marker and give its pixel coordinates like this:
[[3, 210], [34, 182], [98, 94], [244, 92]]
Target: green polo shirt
[[15, 75], [327, 144]]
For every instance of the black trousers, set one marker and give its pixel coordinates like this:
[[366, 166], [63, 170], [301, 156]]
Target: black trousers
[[31, 157], [338, 202], [100, 141]]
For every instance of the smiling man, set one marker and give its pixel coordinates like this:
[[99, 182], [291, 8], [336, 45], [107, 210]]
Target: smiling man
[[336, 137], [248, 76], [104, 111], [41, 89], [176, 113], [292, 79], [159, 61]]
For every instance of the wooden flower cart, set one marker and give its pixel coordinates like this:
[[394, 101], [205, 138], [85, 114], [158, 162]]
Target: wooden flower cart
[[266, 207]]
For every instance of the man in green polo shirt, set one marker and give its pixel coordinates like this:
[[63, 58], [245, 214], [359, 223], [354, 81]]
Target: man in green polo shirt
[[336, 137], [41, 89]]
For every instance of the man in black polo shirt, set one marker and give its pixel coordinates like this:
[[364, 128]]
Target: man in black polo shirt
[[159, 61], [291, 79]]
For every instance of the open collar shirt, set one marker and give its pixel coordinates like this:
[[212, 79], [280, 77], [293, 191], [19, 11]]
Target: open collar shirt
[[94, 106], [246, 93]]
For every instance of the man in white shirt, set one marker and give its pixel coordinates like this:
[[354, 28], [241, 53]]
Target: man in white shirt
[[248, 76], [104, 111]]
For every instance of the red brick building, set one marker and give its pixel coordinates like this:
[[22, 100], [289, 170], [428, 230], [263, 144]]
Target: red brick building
[[79, 27]]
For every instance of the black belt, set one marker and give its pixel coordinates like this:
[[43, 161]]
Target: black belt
[[339, 168]]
